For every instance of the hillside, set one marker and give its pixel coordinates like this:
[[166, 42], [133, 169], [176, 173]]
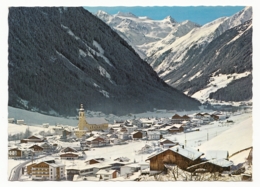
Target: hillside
[[62, 57]]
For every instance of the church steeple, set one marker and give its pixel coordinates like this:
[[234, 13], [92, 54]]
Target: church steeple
[[82, 119]]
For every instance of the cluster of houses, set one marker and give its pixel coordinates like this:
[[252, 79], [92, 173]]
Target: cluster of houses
[[166, 153]]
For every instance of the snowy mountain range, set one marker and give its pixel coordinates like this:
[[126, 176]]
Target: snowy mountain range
[[61, 57], [142, 33], [190, 56]]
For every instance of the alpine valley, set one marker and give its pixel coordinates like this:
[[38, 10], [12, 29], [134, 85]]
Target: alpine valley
[[62, 57], [212, 62]]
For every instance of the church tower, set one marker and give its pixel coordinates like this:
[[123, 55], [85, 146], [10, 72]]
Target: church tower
[[82, 119]]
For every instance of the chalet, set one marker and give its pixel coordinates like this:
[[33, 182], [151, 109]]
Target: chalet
[[36, 149], [181, 156], [165, 130], [153, 135], [96, 142], [129, 169], [176, 128], [33, 139], [106, 174], [19, 152], [123, 129], [176, 119], [69, 149], [47, 170], [165, 143], [136, 135], [47, 147], [69, 156], [198, 115], [92, 161]]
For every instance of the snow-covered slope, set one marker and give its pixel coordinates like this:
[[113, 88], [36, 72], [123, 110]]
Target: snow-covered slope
[[172, 55], [142, 33], [235, 139]]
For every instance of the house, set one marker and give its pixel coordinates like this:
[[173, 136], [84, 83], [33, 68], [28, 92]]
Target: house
[[176, 128], [214, 161], [19, 152], [131, 129], [47, 147], [33, 139], [96, 142], [165, 130], [136, 135], [92, 169], [153, 135], [179, 155], [123, 136], [69, 156], [68, 149], [177, 119], [146, 149], [122, 159], [137, 122], [129, 169], [106, 174], [36, 149], [71, 173], [93, 161], [165, 143], [47, 170], [11, 120], [20, 122]]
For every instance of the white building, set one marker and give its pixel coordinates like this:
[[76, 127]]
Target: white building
[[129, 169], [153, 135], [106, 174]]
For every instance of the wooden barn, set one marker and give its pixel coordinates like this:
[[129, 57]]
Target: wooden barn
[[182, 156], [92, 161], [69, 156], [137, 135], [167, 143]]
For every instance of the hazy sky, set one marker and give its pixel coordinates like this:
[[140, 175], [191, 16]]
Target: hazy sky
[[197, 14]]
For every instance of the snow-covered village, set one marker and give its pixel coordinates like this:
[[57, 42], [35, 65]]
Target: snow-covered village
[[130, 94], [167, 146]]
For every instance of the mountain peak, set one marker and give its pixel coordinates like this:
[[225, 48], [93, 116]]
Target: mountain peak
[[126, 14], [170, 19]]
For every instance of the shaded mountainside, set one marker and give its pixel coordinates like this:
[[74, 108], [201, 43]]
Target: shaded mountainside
[[238, 90], [62, 57], [229, 53]]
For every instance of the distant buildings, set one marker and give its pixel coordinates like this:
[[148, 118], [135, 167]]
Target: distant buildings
[[95, 124]]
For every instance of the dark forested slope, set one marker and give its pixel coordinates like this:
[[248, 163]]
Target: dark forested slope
[[62, 57]]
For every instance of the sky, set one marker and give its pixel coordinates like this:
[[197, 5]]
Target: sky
[[197, 14]]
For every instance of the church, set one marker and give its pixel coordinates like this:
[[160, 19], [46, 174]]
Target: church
[[93, 124]]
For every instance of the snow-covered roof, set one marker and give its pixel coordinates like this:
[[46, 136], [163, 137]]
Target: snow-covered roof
[[153, 132], [96, 121], [105, 172], [177, 125], [216, 154], [221, 162], [134, 165], [166, 128], [187, 152]]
